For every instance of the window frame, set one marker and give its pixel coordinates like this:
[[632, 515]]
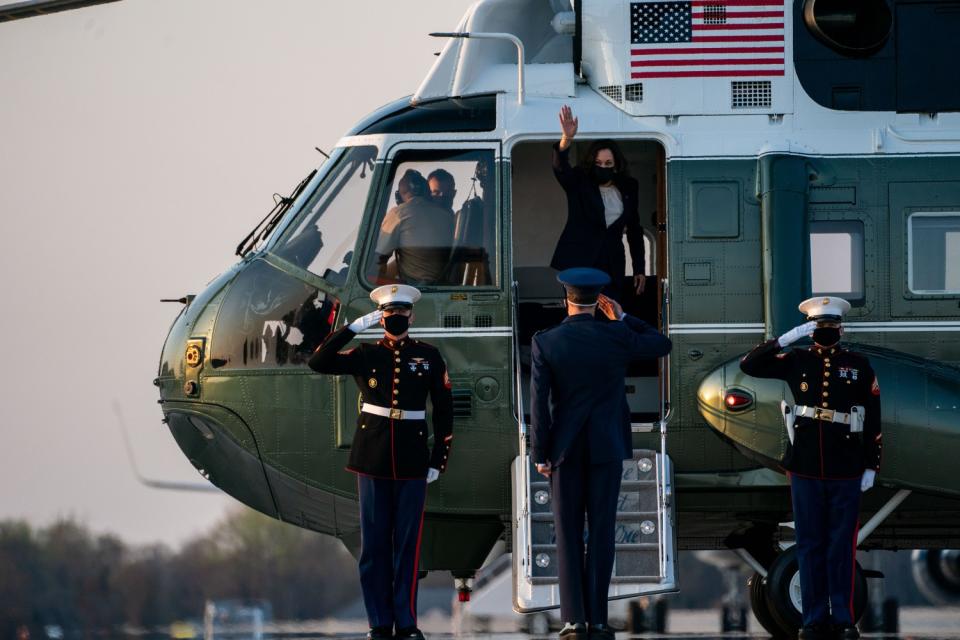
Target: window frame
[[909, 223], [384, 191], [855, 228], [326, 173]]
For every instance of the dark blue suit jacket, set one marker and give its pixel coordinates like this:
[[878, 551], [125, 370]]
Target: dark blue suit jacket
[[577, 383]]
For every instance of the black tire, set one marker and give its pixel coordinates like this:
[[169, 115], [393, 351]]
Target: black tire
[[784, 607], [757, 588]]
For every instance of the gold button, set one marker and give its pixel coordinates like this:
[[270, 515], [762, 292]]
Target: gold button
[[826, 360], [826, 374], [825, 404], [421, 433], [397, 370], [825, 394], [363, 426], [397, 360], [396, 353], [396, 391], [395, 402], [396, 380], [826, 383]]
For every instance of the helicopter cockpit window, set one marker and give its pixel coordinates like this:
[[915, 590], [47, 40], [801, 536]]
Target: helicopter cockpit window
[[437, 223], [323, 236]]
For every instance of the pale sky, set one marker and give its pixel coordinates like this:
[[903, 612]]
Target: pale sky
[[139, 142]]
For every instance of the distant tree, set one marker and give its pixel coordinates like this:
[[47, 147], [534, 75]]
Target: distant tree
[[21, 577]]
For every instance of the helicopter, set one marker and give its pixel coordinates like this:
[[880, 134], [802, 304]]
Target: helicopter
[[770, 139]]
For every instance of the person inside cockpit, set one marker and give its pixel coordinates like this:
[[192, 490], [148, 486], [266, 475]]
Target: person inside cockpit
[[418, 232]]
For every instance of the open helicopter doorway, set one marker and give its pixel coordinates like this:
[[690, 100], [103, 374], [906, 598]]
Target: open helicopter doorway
[[538, 215], [645, 543]]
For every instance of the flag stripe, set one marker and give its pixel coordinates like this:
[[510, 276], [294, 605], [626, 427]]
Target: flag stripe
[[710, 61], [743, 38], [669, 51], [738, 27], [740, 14], [737, 3], [712, 73]]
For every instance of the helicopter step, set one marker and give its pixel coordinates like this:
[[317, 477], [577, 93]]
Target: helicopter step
[[645, 561]]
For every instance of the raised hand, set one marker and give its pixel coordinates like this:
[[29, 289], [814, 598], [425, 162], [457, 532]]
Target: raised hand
[[802, 331], [365, 322], [568, 125], [609, 307]]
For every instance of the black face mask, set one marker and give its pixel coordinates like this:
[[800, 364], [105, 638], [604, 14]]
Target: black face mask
[[826, 336], [603, 175], [396, 325]]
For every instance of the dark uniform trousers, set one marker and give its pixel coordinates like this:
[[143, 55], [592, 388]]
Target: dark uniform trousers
[[825, 464], [390, 456], [580, 423], [578, 485]]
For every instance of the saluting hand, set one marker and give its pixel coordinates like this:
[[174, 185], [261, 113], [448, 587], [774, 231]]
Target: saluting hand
[[568, 125], [363, 323], [545, 469], [802, 331], [610, 307]]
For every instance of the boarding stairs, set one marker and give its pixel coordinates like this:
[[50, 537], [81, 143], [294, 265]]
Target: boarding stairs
[[646, 559]]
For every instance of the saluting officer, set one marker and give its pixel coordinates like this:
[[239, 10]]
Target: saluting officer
[[390, 454], [581, 436], [833, 457]]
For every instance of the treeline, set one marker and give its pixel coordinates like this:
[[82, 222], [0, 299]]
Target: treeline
[[65, 575]]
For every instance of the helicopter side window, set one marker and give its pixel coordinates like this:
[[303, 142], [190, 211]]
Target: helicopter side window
[[437, 222], [322, 239], [934, 245]]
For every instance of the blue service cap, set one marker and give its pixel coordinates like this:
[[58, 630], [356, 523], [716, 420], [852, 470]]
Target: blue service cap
[[583, 284]]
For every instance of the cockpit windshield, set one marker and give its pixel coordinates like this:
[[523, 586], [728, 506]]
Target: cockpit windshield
[[322, 237]]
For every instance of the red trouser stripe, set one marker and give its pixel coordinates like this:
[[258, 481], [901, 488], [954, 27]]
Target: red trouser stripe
[[416, 565], [853, 568]]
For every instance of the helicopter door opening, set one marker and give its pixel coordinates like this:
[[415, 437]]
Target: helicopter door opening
[[539, 211], [645, 561]]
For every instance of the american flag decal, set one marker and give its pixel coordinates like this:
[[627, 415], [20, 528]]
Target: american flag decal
[[707, 39]]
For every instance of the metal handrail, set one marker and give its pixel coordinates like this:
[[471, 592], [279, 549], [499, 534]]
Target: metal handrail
[[524, 474], [521, 56]]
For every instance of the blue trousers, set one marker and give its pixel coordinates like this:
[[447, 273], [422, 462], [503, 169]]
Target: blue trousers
[[579, 487], [391, 526], [826, 515]]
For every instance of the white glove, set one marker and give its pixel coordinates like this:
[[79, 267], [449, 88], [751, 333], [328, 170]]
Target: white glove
[[804, 330], [869, 475], [365, 322], [432, 474]]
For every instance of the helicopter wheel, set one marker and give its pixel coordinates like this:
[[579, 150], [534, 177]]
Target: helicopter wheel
[[757, 588], [782, 588]]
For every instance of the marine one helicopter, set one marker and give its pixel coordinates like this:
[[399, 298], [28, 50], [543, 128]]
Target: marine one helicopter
[[784, 150]]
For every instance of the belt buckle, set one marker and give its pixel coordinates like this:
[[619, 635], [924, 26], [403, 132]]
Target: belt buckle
[[396, 414], [824, 414]]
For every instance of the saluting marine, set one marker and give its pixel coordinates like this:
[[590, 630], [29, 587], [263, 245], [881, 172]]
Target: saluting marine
[[833, 456], [390, 452]]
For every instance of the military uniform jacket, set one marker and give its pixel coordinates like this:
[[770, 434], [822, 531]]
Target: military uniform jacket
[[830, 378], [577, 385], [396, 375]]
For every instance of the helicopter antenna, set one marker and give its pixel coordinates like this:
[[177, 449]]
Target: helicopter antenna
[[199, 487]]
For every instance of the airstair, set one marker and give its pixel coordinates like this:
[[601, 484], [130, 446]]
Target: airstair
[[645, 561]]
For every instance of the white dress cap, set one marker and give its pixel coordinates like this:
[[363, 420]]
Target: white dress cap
[[395, 295], [824, 308]]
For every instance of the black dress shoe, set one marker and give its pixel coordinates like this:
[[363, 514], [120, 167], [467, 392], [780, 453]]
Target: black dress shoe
[[380, 633], [601, 632], [845, 632], [573, 631], [409, 633], [814, 632]]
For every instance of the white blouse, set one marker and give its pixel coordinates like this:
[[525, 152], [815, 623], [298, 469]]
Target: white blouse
[[612, 204]]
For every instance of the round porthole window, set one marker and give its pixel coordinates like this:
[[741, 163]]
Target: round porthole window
[[850, 27]]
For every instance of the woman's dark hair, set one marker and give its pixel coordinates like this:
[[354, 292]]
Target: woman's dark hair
[[619, 160]]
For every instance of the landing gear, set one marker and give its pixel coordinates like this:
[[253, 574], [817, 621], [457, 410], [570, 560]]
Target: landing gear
[[781, 591], [757, 588]]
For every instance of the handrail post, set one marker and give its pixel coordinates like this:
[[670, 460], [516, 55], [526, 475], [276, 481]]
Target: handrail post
[[521, 56]]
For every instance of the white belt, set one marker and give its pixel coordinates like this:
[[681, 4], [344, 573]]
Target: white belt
[[821, 414], [395, 414]]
